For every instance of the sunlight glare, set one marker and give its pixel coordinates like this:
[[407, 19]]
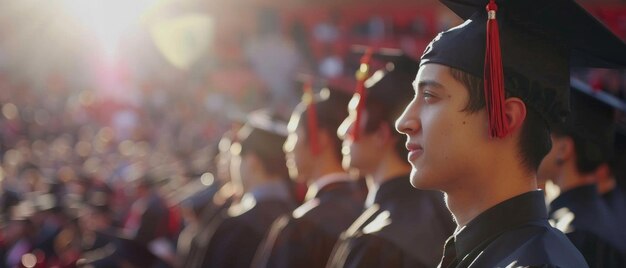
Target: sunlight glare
[[108, 20]]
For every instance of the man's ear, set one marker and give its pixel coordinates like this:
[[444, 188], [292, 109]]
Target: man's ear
[[563, 148], [603, 173], [515, 114]]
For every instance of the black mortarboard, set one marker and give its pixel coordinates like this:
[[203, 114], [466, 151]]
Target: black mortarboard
[[390, 86], [263, 130], [262, 121], [319, 101], [539, 41], [192, 188], [264, 134]]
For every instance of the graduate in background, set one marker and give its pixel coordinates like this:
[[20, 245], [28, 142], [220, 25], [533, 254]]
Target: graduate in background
[[581, 148], [401, 226], [305, 237], [258, 166], [208, 218], [486, 94]]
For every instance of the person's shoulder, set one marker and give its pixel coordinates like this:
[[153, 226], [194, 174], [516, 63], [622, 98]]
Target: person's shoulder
[[260, 209], [416, 199], [532, 245], [326, 217], [423, 208], [371, 250], [322, 210]]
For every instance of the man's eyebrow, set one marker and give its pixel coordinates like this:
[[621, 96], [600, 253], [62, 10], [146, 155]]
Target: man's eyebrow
[[426, 83]]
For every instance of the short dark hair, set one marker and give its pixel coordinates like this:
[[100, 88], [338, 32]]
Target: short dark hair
[[330, 114], [591, 126], [268, 147], [589, 155], [389, 91], [379, 113], [534, 143]]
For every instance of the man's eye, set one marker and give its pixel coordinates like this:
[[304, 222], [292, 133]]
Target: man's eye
[[427, 96]]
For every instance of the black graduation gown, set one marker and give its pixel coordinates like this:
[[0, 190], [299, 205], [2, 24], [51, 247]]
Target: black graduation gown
[[201, 203], [405, 227], [153, 220], [240, 232], [305, 238], [616, 201], [211, 217], [514, 233], [117, 250], [586, 220]]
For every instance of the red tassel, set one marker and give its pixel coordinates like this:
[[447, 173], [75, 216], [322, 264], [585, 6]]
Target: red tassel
[[494, 77], [361, 75], [312, 117]]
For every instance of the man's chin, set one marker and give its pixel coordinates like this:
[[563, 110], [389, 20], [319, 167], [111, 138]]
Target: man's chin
[[420, 182]]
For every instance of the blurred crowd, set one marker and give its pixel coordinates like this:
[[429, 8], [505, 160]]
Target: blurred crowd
[[67, 169]]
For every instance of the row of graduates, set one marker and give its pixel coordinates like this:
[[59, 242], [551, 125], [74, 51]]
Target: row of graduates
[[359, 208], [487, 150], [343, 224]]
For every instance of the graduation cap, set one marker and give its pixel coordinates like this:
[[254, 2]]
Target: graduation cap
[[264, 134], [389, 86], [193, 189], [526, 48], [264, 121], [308, 101], [322, 104], [263, 131]]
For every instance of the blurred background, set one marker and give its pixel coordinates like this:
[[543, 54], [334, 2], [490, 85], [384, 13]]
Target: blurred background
[[94, 94]]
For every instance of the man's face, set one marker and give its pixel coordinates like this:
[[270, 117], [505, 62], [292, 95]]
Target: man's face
[[445, 143], [361, 154], [297, 152]]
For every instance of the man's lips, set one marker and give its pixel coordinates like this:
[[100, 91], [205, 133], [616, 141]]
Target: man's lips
[[415, 150]]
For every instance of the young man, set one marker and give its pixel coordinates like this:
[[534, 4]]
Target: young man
[[228, 194], [402, 226], [305, 238], [581, 149], [477, 126], [258, 166]]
